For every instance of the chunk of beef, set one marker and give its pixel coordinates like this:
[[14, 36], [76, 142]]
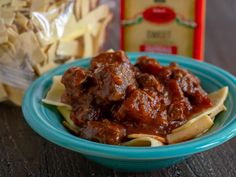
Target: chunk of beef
[[180, 105], [108, 58], [165, 75], [113, 74], [77, 83], [130, 89], [139, 111], [190, 85], [138, 107], [84, 109], [147, 81], [74, 80], [103, 131], [167, 72], [148, 65], [187, 81], [154, 88]]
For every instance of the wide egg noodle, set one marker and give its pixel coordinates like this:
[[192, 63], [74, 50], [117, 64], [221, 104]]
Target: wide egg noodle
[[68, 123], [140, 135], [3, 93], [217, 98], [53, 96], [143, 142], [66, 114], [215, 113], [191, 129]]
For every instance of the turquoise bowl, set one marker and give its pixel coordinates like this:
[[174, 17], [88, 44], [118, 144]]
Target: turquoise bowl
[[47, 122]]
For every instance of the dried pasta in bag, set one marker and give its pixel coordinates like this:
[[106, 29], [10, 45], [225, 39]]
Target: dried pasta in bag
[[36, 36]]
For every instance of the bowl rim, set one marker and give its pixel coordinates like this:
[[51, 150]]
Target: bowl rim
[[69, 141]]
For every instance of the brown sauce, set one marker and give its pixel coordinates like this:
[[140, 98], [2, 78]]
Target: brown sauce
[[113, 98]]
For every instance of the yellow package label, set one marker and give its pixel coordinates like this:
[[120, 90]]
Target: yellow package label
[[163, 26]]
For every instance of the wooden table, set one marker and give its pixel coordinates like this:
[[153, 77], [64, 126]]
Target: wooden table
[[24, 153]]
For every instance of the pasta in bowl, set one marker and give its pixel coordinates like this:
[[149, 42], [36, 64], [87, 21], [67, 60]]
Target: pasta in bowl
[[47, 120]]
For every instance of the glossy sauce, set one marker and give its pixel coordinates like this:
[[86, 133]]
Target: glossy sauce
[[114, 98]]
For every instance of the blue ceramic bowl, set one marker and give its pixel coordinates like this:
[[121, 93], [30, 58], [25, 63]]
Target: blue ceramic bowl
[[47, 122]]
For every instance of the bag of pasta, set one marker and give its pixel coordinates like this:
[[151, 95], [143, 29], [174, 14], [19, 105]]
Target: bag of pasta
[[36, 36]]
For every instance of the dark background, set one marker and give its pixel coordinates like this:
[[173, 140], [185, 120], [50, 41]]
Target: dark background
[[24, 153]]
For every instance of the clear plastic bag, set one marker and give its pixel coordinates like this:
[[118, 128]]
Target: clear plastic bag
[[36, 36]]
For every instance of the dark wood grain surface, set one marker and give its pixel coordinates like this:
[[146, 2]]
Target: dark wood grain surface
[[24, 153]]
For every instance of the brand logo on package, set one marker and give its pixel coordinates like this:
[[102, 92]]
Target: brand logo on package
[[158, 49], [159, 14]]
